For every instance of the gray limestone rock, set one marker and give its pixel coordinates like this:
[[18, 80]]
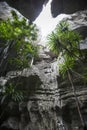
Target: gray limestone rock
[[30, 8], [67, 6], [41, 110], [49, 102]]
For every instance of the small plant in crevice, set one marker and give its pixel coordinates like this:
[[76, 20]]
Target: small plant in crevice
[[18, 38], [10, 92]]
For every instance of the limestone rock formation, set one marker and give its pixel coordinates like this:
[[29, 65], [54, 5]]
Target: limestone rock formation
[[32, 8], [49, 102], [77, 22], [67, 6], [40, 110], [5, 11], [29, 8]]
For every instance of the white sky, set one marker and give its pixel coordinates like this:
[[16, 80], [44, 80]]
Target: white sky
[[46, 22]]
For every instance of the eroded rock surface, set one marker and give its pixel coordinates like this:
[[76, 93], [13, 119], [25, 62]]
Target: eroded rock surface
[[49, 102], [67, 6], [29, 8], [41, 110], [32, 8], [70, 114], [5, 11]]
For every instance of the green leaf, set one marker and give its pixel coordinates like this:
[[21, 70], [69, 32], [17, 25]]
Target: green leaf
[[24, 34]]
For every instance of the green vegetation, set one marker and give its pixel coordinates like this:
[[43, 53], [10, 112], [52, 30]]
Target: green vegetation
[[19, 36], [18, 39], [10, 92], [66, 44]]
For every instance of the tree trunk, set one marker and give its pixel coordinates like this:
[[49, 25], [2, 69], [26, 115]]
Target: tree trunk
[[76, 98]]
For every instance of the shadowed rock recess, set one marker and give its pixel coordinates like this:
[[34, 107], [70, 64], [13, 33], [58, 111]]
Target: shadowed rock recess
[[67, 6], [49, 102], [39, 110], [32, 8], [29, 8]]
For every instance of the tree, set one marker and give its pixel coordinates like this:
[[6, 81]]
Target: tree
[[18, 36], [66, 44]]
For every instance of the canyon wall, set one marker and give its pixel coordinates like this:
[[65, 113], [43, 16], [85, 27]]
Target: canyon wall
[[32, 8], [49, 102]]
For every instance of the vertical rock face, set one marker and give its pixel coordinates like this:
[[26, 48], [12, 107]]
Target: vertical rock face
[[70, 113], [41, 109], [67, 6], [32, 8], [47, 105], [29, 8]]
